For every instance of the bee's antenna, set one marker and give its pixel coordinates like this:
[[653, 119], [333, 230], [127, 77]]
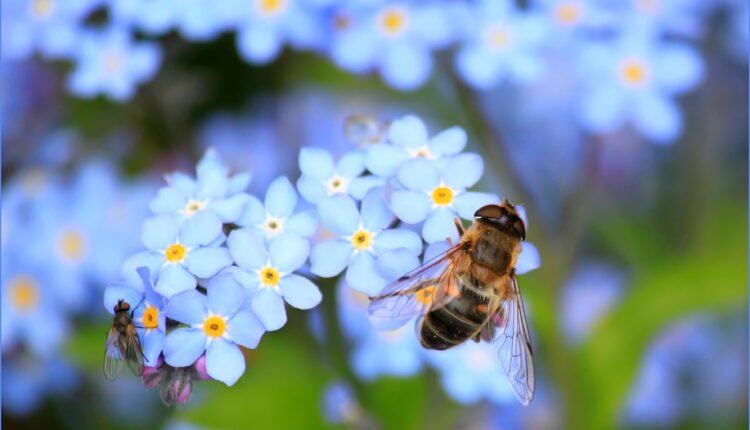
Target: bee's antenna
[[132, 311]]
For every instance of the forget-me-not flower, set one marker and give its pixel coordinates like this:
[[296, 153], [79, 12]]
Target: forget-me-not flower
[[436, 193], [217, 324], [267, 272], [322, 177], [110, 63], [364, 242], [277, 215], [408, 139]]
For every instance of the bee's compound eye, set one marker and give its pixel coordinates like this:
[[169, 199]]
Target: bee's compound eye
[[489, 211]]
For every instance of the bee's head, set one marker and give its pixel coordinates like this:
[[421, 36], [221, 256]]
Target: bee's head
[[504, 216], [121, 306]]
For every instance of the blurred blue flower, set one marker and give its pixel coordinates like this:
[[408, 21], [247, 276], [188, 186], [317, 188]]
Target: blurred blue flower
[[684, 18], [198, 20], [635, 79], [28, 380], [110, 63], [436, 193], [277, 216], [267, 274], [212, 191], [502, 42], [321, 177], [50, 26], [152, 17], [180, 253], [339, 403], [409, 139], [217, 324], [365, 246], [148, 309]]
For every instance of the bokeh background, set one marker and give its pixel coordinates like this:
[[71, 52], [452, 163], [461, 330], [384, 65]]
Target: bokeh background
[[620, 125]]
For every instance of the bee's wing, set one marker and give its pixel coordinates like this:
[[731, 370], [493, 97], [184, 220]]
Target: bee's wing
[[113, 355], [430, 286], [134, 354], [509, 329]]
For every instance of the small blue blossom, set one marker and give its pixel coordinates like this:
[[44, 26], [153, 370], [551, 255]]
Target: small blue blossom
[[277, 216], [339, 403], [152, 17], [267, 274], [635, 80], [212, 191], [181, 252], [216, 324], [436, 193], [321, 177], [365, 246], [109, 63], [28, 380], [408, 139], [149, 312], [675, 17]]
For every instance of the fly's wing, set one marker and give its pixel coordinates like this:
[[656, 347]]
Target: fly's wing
[[134, 353], [113, 355], [509, 329], [430, 286]]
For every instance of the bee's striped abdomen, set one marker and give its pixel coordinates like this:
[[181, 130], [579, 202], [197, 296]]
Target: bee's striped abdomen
[[455, 322]]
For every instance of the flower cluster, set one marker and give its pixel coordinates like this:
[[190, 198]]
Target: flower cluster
[[643, 55]]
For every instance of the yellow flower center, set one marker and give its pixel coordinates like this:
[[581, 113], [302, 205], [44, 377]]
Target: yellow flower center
[[634, 73], [175, 253], [393, 21], [270, 8], [426, 295], [497, 37], [337, 184], [273, 226], [361, 240], [151, 317], [72, 245], [341, 22], [214, 326], [112, 62], [269, 277], [193, 206], [442, 196], [42, 8], [568, 14], [24, 293]]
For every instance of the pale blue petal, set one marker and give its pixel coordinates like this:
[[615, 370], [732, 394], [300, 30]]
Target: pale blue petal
[[678, 68], [302, 223], [159, 232], [603, 109], [168, 200], [206, 262], [212, 185], [419, 175], [245, 329], [657, 117], [362, 184], [351, 164], [354, 50], [118, 291], [316, 163], [153, 344], [329, 258], [224, 361], [375, 213], [362, 274], [200, 229], [288, 252], [253, 214], [406, 66], [259, 43], [281, 198], [528, 260], [410, 206], [471, 169], [339, 214], [231, 208], [300, 292], [439, 225], [466, 204], [408, 132], [268, 306], [436, 248], [394, 263], [247, 249], [188, 307], [149, 259], [311, 189], [210, 162], [249, 280], [238, 183], [174, 279], [185, 183], [225, 295], [448, 142], [478, 67], [384, 160], [398, 238], [183, 346]]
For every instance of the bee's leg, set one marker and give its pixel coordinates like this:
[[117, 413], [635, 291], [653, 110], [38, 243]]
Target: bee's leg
[[459, 227], [132, 312]]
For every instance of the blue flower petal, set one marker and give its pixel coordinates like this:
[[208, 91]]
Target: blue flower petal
[[467, 203], [478, 67], [259, 43], [174, 279], [394, 263], [316, 163], [406, 66], [238, 183], [439, 225], [159, 232], [225, 295], [362, 274], [212, 185], [288, 252], [188, 307], [311, 189], [281, 198], [678, 68], [245, 329], [247, 249], [362, 184], [253, 214], [249, 280], [603, 108], [268, 306], [448, 142], [419, 175], [354, 50], [329, 258], [224, 361], [657, 117], [375, 213], [300, 292], [398, 238], [168, 200], [118, 291], [436, 248], [384, 160], [351, 164], [463, 171], [529, 259], [410, 206], [339, 214], [149, 259], [200, 229], [408, 132], [185, 183], [153, 344], [183, 346], [302, 223], [206, 262], [231, 208]]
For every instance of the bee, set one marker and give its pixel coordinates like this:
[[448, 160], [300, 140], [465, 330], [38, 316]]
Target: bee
[[469, 291], [123, 343]]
